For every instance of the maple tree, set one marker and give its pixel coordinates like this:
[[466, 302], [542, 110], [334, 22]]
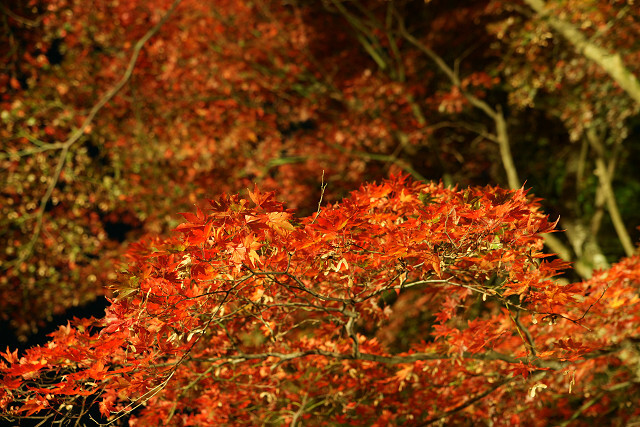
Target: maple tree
[[282, 92], [247, 315], [111, 126]]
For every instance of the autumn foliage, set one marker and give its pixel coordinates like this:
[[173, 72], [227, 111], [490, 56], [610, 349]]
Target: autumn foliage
[[441, 292], [247, 315], [227, 95]]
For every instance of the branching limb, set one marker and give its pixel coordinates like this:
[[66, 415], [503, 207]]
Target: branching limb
[[78, 132], [21, 19], [611, 63], [368, 40], [487, 356], [300, 411], [605, 179], [494, 114], [600, 201], [352, 334], [501, 137]]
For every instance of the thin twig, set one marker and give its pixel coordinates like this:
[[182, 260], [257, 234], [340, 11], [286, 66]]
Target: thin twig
[[381, 158], [530, 343], [468, 402], [323, 186]]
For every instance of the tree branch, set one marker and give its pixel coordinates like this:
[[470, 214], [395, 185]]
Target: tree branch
[[469, 402], [600, 201], [605, 183], [78, 132], [388, 158], [488, 356], [494, 114], [501, 137], [611, 63], [21, 19]]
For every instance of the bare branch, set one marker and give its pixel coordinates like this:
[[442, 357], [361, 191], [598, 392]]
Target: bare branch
[[612, 206], [488, 356], [300, 411], [600, 201], [382, 158], [323, 186]]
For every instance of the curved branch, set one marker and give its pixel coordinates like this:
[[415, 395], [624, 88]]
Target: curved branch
[[495, 114], [21, 19], [78, 132], [505, 150]]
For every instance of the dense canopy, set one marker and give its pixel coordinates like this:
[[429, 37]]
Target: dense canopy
[[396, 212]]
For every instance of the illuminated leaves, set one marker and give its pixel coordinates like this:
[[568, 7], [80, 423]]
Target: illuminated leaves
[[245, 252], [10, 356], [279, 221], [261, 303], [239, 283]]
